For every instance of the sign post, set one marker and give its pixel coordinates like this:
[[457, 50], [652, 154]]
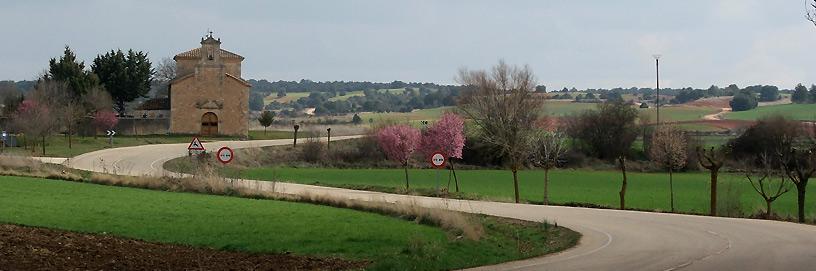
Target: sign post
[[195, 147], [437, 161], [225, 155], [111, 133], [3, 136]]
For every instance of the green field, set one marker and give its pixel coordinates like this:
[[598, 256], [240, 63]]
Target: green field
[[417, 115], [360, 93], [290, 96], [793, 111], [679, 113], [252, 225], [57, 145], [648, 191]]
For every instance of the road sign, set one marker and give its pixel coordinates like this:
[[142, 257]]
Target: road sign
[[225, 155], [111, 132], [438, 160], [195, 145]]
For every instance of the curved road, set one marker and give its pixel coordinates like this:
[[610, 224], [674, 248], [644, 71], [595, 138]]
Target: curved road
[[612, 239]]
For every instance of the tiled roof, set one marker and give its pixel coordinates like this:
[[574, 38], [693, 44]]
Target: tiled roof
[[155, 104], [196, 53]]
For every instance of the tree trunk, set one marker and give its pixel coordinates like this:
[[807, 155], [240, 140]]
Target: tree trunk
[[546, 186], [622, 193], [768, 209], [43, 145], [515, 183], [671, 190], [713, 207], [406, 176], [264, 130], [455, 180], [800, 198]]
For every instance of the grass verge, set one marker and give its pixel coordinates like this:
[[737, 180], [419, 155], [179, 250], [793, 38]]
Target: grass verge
[[406, 239]]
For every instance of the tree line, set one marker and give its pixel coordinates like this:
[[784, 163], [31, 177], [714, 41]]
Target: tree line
[[380, 100], [776, 155], [69, 94]]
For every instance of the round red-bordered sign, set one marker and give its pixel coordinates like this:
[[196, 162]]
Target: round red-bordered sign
[[438, 160], [225, 155]]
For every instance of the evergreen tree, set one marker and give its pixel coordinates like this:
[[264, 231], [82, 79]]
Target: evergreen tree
[[126, 77], [800, 95], [67, 69]]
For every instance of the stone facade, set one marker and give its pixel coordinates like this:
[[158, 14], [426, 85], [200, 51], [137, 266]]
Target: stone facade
[[208, 95]]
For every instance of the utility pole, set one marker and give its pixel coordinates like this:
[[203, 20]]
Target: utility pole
[[657, 74]]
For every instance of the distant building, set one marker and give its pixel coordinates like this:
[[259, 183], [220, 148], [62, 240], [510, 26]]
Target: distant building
[[208, 95]]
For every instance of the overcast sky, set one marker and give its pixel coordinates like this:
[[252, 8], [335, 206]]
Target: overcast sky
[[586, 44]]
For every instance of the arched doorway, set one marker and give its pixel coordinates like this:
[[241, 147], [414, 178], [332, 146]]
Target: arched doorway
[[209, 124]]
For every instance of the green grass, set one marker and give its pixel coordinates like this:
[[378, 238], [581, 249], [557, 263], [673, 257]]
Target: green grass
[[290, 96], [678, 113], [646, 190], [57, 145], [793, 111], [417, 115], [252, 225]]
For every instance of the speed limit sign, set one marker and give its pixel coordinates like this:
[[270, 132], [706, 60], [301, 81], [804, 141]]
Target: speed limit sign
[[438, 160], [225, 155]]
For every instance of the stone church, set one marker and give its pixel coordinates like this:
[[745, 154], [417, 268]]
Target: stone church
[[208, 95]]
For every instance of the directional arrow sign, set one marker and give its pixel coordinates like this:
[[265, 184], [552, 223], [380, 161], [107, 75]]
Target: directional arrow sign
[[195, 145], [111, 132]]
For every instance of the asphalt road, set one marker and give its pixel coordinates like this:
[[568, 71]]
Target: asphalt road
[[612, 239]]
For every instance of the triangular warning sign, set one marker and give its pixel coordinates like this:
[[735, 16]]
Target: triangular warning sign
[[196, 145]]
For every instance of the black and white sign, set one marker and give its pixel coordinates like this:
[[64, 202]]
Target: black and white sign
[[438, 160], [111, 132], [225, 155]]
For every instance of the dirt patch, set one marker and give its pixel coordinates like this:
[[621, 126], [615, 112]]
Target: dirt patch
[[715, 102], [29, 248]]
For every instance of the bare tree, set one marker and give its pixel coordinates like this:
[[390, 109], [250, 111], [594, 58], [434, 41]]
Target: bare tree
[[810, 11], [501, 103], [799, 165], [165, 72], [668, 149], [36, 117], [97, 99], [712, 160], [763, 183], [549, 151]]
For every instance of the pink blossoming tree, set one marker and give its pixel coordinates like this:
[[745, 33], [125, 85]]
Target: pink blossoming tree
[[105, 119], [446, 136], [398, 142]]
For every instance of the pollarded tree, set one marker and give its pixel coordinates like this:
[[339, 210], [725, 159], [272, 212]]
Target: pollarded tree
[[125, 77], [398, 142], [502, 104], [266, 119], [550, 148], [668, 149], [799, 164], [712, 160], [446, 136], [608, 133], [762, 183]]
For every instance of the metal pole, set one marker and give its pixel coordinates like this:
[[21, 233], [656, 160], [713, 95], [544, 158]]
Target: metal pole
[[657, 75], [328, 139]]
